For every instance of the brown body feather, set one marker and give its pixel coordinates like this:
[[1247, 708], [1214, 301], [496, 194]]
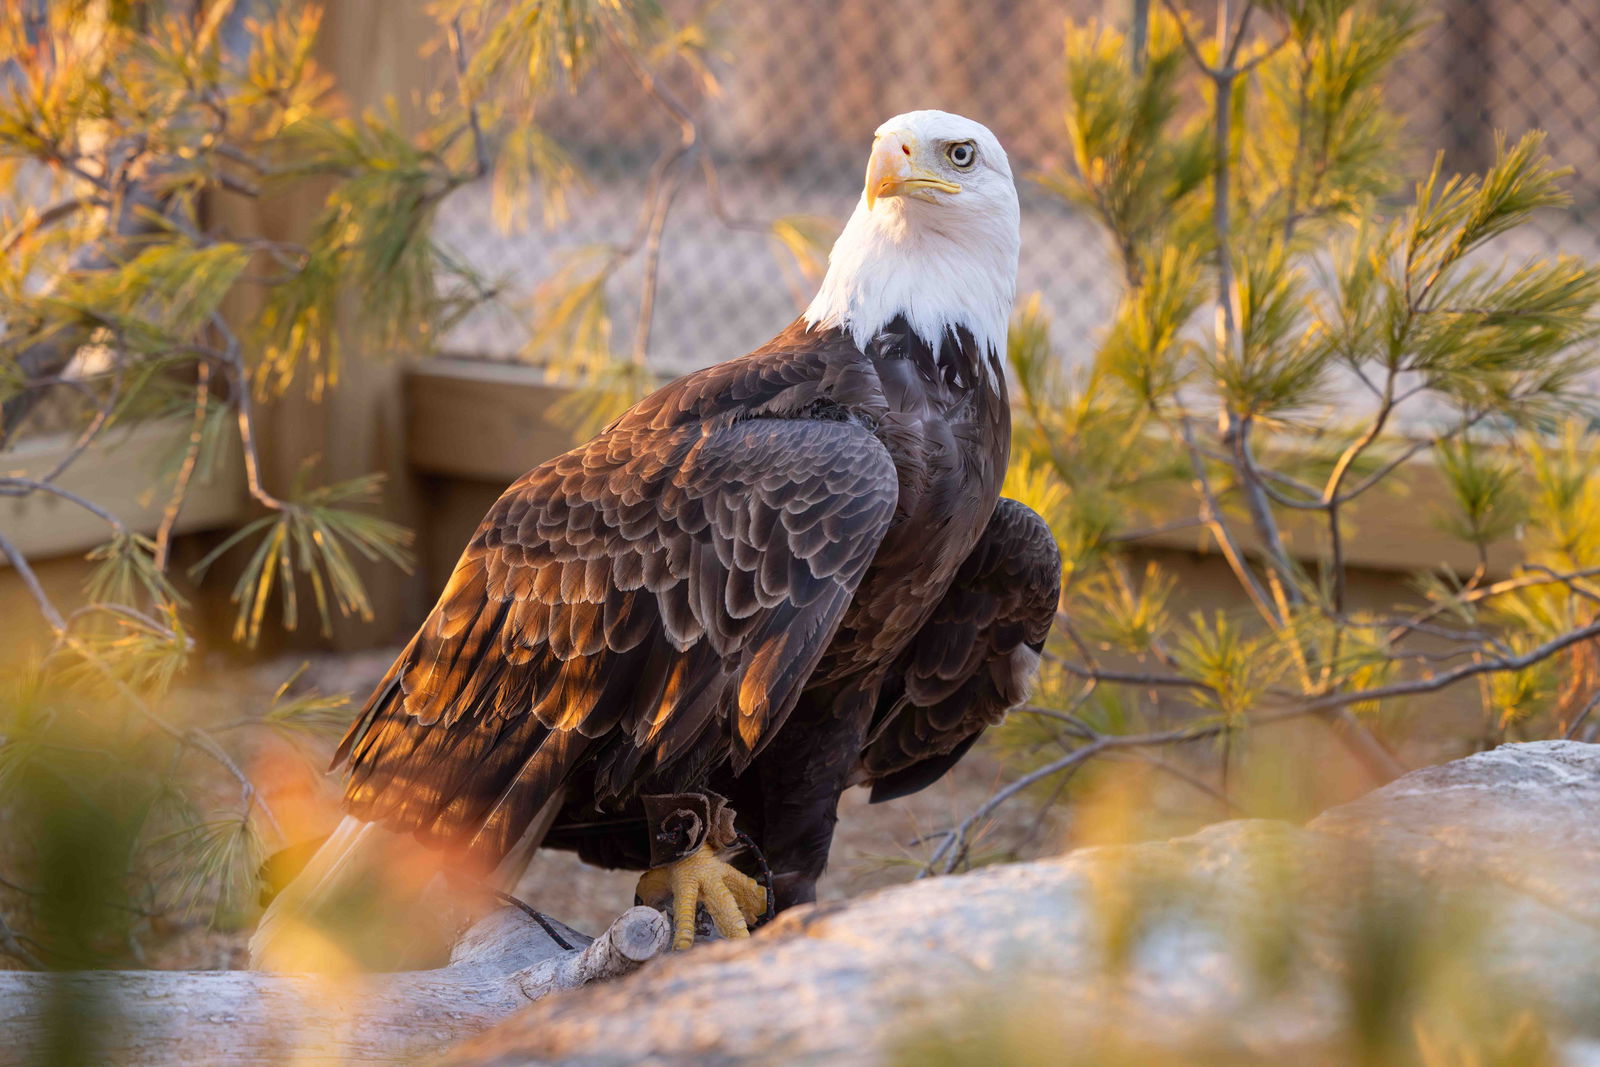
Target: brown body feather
[[772, 577]]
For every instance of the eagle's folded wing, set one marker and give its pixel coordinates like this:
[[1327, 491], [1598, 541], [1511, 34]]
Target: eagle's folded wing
[[652, 593], [972, 660]]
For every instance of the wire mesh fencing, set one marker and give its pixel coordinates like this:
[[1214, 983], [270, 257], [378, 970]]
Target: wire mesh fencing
[[803, 83]]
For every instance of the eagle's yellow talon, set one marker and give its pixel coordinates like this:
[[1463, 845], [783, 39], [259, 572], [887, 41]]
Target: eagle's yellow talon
[[732, 898]]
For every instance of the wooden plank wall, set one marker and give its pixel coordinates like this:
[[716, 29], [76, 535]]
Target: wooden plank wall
[[488, 423]]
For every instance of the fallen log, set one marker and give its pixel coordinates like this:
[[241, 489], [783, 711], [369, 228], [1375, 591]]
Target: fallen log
[[500, 965]]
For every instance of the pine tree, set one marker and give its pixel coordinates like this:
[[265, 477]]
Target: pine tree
[[1302, 331]]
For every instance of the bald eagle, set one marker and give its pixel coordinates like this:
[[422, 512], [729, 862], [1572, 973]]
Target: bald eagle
[[772, 579]]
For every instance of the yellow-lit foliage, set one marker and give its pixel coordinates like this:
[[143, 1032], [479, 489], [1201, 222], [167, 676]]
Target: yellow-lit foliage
[[1306, 337]]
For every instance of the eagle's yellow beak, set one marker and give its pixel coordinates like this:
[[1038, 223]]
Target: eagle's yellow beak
[[894, 169]]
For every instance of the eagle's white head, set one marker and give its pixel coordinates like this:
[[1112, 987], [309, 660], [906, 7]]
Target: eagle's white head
[[934, 236]]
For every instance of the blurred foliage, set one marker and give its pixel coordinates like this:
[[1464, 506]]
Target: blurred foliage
[[1346, 964], [1305, 331], [1255, 943]]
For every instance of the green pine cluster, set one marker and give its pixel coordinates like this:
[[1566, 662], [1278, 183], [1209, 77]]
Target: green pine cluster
[[1306, 333]]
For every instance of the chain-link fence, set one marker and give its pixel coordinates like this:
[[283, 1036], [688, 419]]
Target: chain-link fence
[[804, 83]]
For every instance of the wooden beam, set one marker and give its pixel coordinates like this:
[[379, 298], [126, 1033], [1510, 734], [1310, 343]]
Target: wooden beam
[[121, 477], [1393, 527], [482, 421], [491, 422]]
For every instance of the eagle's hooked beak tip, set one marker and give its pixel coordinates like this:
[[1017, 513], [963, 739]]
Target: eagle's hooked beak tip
[[893, 170]]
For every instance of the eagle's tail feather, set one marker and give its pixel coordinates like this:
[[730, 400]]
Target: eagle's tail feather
[[316, 884], [365, 886]]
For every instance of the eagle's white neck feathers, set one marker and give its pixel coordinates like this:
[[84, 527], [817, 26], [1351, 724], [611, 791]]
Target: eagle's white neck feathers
[[943, 262]]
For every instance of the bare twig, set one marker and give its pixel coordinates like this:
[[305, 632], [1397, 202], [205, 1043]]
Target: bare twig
[[191, 457], [18, 486], [1285, 582], [19, 563], [1578, 720], [244, 159], [1073, 724], [480, 144], [48, 217], [667, 180], [1494, 589], [1100, 674], [652, 263], [125, 612], [953, 849], [238, 185], [1175, 771], [1211, 513], [245, 413], [1435, 682], [101, 420]]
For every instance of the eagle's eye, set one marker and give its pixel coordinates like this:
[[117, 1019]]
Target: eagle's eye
[[962, 154]]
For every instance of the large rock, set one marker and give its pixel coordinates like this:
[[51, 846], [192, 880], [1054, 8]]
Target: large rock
[[1456, 909]]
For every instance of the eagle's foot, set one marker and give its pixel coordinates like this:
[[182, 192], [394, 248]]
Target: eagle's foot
[[732, 898]]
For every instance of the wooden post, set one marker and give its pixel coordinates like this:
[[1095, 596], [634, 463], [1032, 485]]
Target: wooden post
[[1469, 25], [373, 50]]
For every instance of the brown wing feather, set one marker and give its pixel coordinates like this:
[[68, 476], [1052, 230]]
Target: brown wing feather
[[653, 591], [971, 660]]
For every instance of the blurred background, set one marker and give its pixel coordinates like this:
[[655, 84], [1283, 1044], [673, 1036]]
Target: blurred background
[[798, 88], [802, 85], [681, 192]]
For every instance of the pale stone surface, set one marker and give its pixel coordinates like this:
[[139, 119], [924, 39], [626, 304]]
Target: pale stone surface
[[249, 1017], [1495, 859]]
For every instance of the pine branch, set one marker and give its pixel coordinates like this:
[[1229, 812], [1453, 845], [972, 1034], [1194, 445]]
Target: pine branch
[[18, 486], [140, 216], [19, 563], [51, 215], [191, 458]]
